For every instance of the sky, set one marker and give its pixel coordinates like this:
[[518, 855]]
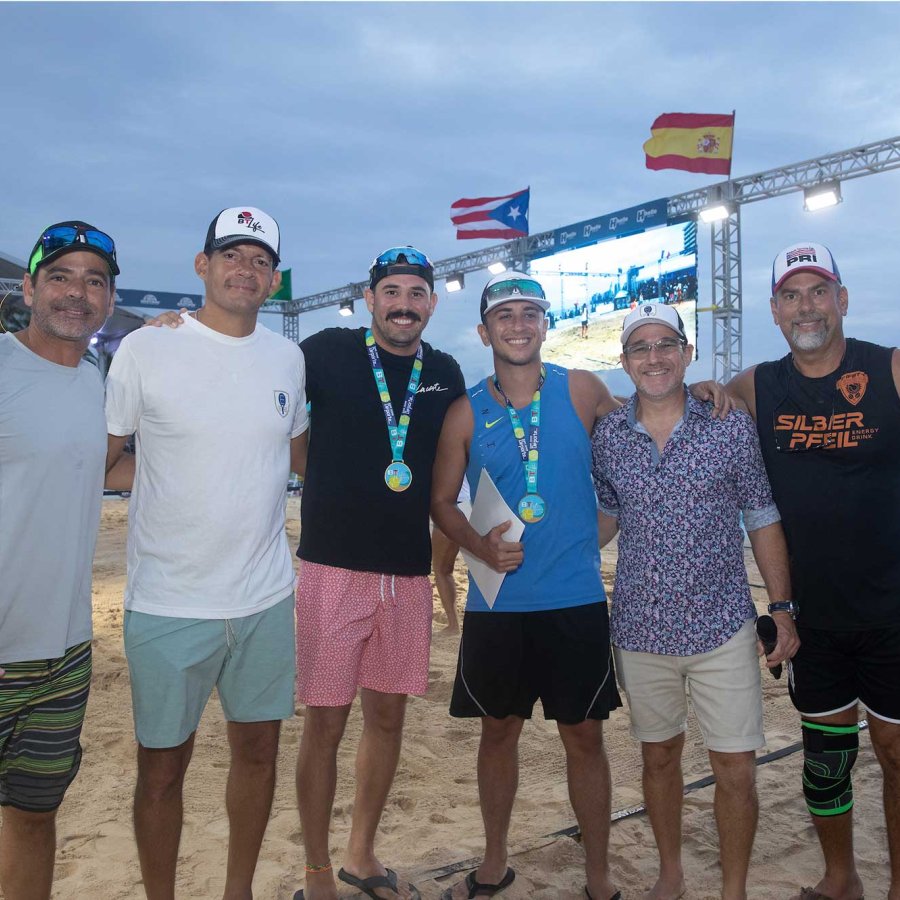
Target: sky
[[357, 125]]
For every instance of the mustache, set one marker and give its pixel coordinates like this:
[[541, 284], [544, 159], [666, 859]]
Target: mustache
[[79, 306], [404, 314]]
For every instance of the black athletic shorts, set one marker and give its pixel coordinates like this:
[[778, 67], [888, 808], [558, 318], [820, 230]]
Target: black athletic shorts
[[834, 669], [507, 660]]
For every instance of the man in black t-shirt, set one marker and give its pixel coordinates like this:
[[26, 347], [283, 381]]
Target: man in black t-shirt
[[828, 418], [364, 599]]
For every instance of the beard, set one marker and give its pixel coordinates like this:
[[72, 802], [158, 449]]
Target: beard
[[808, 340], [54, 322]]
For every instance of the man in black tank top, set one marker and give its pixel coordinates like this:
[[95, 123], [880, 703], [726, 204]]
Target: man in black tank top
[[828, 417]]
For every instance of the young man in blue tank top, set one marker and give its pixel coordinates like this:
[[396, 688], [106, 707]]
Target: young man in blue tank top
[[547, 633], [828, 418]]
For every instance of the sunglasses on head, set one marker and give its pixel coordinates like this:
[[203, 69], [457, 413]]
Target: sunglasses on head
[[404, 256], [58, 237]]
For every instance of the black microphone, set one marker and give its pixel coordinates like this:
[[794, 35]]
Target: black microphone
[[767, 632]]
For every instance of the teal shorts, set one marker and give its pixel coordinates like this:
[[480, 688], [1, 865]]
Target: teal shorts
[[175, 664]]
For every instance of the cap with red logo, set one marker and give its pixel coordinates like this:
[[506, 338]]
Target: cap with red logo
[[243, 225], [805, 257]]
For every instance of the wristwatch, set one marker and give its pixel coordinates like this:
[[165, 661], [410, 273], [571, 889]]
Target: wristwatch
[[787, 606]]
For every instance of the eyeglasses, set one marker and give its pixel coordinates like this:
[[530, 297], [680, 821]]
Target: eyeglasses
[[404, 256], [58, 237], [525, 287], [664, 347]]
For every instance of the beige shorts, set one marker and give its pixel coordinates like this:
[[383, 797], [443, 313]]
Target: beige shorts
[[724, 686]]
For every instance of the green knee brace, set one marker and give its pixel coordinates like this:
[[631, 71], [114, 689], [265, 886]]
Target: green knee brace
[[829, 753]]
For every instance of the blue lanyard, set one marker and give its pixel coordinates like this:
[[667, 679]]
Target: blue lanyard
[[528, 450], [396, 430]]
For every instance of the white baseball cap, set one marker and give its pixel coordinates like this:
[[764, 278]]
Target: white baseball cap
[[648, 313], [244, 225], [803, 257]]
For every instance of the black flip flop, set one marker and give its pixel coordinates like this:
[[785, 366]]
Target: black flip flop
[[616, 896], [368, 885], [482, 888]]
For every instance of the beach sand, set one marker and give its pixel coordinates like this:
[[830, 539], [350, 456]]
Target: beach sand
[[432, 824]]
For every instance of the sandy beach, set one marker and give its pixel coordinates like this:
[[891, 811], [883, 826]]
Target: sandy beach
[[432, 824]]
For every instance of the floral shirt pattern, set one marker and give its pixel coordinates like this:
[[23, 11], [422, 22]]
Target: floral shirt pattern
[[681, 585]]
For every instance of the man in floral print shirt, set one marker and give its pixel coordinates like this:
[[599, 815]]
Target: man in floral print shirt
[[674, 480]]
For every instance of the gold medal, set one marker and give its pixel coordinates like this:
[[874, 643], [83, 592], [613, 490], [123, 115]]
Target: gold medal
[[398, 476]]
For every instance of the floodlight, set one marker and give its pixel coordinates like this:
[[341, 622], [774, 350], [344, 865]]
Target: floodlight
[[345, 308], [495, 268], [455, 283], [715, 213], [822, 196]]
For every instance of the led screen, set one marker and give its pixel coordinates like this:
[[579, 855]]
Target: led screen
[[610, 279]]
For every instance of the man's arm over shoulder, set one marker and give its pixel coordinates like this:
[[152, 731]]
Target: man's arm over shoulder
[[742, 389], [590, 397]]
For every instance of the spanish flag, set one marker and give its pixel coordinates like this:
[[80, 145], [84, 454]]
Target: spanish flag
[[693, 142]]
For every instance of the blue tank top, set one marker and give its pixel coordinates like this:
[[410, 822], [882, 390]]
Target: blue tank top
[[562, 559]]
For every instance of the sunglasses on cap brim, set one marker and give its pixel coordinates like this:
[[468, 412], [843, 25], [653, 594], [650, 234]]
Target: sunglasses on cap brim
[[59, 237], [521, 286]]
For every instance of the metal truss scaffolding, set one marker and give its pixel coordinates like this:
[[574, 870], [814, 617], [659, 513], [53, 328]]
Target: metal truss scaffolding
[[857, 162], [726, 298]]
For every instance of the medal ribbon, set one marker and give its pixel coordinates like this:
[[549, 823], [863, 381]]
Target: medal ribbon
[[528, 450], [396, 430]]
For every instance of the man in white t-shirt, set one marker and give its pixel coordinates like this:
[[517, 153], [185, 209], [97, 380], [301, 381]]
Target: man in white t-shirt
[[52, 442], [218, 407]]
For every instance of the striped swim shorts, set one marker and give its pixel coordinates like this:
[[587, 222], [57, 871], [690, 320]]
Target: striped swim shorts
[[42, 705]]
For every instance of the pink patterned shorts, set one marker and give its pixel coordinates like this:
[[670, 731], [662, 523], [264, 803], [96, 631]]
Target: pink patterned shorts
[[360, 629]]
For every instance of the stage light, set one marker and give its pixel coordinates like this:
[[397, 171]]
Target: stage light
[[495, 268], [346, 308], [455, 283], [822, 196], [716, 213]]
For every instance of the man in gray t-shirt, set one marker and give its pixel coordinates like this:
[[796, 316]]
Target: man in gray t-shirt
[[52, 455]]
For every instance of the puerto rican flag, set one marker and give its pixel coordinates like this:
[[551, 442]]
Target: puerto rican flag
[[493, 218]]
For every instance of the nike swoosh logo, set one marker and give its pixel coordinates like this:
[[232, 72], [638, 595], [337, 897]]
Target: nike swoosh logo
[[492, 424]]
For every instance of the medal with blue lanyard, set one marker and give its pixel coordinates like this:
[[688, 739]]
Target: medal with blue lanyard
[[397, 476], [532, 507]]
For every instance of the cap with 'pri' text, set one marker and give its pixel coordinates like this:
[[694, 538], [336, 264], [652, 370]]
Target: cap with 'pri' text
[[806, 257]]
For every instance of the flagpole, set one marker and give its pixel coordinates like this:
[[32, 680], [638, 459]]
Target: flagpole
[[731, 161]]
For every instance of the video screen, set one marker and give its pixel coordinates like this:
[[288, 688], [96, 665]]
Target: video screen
[[591, 290]]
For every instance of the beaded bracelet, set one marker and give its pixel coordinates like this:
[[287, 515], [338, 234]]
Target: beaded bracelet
[[316, 869]]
